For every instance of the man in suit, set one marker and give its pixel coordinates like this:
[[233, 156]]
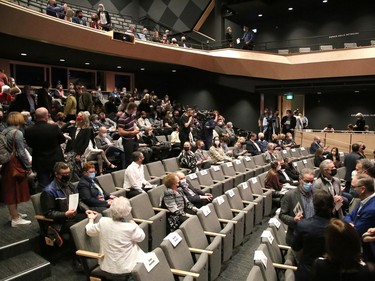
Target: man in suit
[[105, 142], [363, 215], [309, 234], [297, 204], [197, 197], [332, 185], [270, 154], [252, 147], [24, 101], [350, 162], [315, 145], [288, 122], [44, 98], [45, 140]]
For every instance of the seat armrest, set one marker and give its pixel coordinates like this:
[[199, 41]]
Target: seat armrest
[[226, 221], [249, 202], [206, 186], [184, 273], [258, 195], [238, 211], [141, 220], [200, 251], [284, 266], [284, 247], [42, 218], [89, 254], [209, 233], [160, 209], [154, 177], [216, 181]]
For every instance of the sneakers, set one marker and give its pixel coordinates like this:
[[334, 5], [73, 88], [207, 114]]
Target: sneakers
[[55, 237], [22, 216], [19, 221]]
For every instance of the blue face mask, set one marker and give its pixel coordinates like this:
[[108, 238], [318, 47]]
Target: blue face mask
[[29, 118], [91, 176], [307, 186]]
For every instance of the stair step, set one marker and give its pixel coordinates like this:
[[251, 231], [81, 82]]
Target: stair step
[[25, 267], [14, 249]]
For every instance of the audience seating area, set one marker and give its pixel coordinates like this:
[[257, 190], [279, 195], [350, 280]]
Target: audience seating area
[[209, 238]]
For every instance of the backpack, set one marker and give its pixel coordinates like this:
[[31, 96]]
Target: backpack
[[5, 154]]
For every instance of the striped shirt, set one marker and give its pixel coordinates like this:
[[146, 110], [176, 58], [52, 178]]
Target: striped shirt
[[127, 122]]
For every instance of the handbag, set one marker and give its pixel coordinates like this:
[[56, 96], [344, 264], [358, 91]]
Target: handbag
[[16, 167]]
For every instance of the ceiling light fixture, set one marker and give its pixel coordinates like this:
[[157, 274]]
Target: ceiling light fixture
[[290, 9], [87, 63], [325, 1], [260, 15], [62, 60], [119, 66], [142, 68], [23, 54], [174, 70]]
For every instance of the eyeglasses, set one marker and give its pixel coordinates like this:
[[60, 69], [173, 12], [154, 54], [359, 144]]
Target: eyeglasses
[[308, 181], [356, 186]]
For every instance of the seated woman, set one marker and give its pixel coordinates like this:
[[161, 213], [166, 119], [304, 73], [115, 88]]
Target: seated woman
[[343, 255], [334, 155], [217, 153], [239, 149], [176, 202], [187, 158], [118, 238], [272, 179], [91, 192], [289, 141], [318, 157]]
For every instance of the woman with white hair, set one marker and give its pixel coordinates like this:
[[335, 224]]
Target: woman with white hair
[[360, 123], [118, 238], [104, 18]]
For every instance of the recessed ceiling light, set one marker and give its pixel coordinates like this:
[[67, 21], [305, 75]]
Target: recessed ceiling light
[[142, 68], [87, 63], [174, 70], [23, 54], [62, 60], [325, 1], [356, 91], [319, 93], [290, 9], [260, 15], [119, 66]]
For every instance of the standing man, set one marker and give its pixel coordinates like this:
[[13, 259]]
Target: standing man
[[85, 102], [350, 163], [128, 129], [247, 38], [45, 140], [44, 98], [186, 121], [297, 204], [363, 216], [288, 123]]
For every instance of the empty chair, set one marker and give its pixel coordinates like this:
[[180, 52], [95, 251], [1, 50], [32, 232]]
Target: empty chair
[[236, 203], [157, 221], [341, 173], [259, 160], [250, 164], [171, 165], [295, 153], [326, 47], [309, 163], [161, 138], [107, 183], [156, 194], [255, 274], [225, 212], [229, 171], [156, 169], [268, 267], [152, 180], [239, 167], [196, 238], [247, 195], [304, 151], [218, 175], [298, 166], [279, 230], [179, 257], [118, 177], [260, 192], [224, 229], [206, 181], [160, 270], [262, 179]]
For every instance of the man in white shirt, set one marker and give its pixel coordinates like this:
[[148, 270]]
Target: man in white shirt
[[143, 122], [134, 178]]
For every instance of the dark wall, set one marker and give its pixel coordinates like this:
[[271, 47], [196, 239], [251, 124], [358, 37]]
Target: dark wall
[[210, 91], [339, 109]]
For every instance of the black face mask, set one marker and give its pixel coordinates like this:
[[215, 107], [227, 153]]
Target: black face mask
[[333, 172], [186, 148], [65, 179]]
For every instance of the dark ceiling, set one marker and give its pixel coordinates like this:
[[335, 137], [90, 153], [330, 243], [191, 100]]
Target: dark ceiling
[[275, 12]]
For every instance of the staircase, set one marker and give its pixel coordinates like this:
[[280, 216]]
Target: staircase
[[18, 262]]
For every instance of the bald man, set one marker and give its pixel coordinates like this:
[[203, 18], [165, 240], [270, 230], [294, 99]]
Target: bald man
[[44, 139]]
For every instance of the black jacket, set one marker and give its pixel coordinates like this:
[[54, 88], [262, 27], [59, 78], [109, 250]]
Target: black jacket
[[78, 143], [88, 193]]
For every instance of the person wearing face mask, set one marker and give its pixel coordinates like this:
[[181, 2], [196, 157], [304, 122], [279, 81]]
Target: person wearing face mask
[[78, 18], [217, 153], [91, 192], [270, 155], [239, 149], [272, 181], [54, 201], [208, 130], [202, 156], [196, 196], [104, 18], [167, 121], [262, 142], [143, 122], [187, 158], [288, 122], [316, 144], [297, 204], [331, 184], [106, 122]]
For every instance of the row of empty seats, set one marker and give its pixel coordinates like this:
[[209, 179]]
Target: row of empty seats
[[323, 48]]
